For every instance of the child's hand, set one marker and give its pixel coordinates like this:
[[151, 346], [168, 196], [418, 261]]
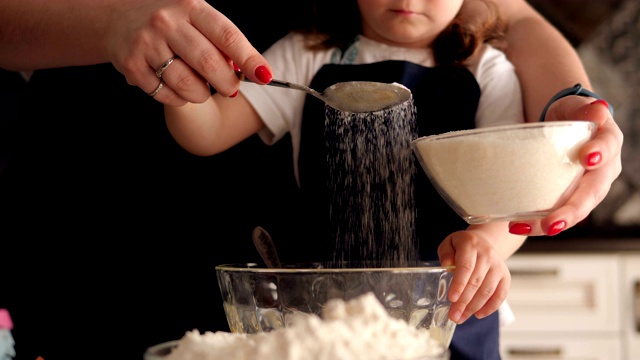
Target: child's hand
[[481, 279]]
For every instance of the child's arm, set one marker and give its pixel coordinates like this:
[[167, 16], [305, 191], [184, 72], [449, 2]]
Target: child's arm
[[213, 126], [481, 280]]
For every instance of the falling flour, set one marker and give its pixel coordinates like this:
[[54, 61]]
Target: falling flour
[[371, 174], [359, 329]]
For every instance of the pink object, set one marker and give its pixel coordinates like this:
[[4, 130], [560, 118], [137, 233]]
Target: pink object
[[5, 320]]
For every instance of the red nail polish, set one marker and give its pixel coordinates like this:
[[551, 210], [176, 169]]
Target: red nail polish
[[263, 74], [234, 94], [601, 101], [235, 66], [594, 158], [556, 228], [520, 229]]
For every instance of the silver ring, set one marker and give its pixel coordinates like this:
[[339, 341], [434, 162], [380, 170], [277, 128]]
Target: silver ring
[[164, 67], [157, 90]]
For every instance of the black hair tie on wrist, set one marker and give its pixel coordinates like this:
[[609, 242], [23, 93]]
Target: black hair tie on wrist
[[577, 89]]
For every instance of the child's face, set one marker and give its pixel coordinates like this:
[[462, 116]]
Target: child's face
[[407, 23]]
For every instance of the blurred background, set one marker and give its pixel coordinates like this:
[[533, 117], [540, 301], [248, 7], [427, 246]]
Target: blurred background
[[606, 34]]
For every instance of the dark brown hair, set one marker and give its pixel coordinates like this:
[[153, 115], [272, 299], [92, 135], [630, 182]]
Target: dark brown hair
[[336, 23]]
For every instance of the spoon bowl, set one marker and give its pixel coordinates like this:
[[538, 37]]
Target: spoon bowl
[[351, 96], [266, 247]]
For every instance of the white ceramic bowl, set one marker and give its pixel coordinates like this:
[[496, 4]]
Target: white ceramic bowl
[[505, 173]]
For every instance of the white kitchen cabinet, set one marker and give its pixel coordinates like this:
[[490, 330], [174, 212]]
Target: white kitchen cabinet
[[564, 347], [630, 302], [571, 306]]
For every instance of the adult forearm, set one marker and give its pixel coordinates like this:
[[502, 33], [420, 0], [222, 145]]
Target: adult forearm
[[557, 65], [544, 60], [41, 34]]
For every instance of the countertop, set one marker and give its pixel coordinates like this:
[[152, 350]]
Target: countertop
[[587, 239]]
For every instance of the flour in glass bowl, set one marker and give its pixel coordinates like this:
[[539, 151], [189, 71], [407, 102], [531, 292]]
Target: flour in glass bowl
[[358, 329], [507, 172]]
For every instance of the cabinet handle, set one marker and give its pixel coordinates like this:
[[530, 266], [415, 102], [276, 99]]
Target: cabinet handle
[[536, 353], [534, 272], [636, 305]]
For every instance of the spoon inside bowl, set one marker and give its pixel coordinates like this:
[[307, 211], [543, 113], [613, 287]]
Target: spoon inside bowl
[[267, 249], [351, 96]]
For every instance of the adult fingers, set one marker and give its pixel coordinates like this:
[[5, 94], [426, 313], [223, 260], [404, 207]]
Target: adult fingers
[[600, 156], [140, 45], [183, 83], [590, 191], [609, 137], [209, 44]]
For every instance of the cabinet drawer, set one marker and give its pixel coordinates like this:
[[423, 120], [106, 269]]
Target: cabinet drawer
[[564, 292], [631, 304], [549, 347]]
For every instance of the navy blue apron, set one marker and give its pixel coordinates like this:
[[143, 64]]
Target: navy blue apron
[[446, 99]]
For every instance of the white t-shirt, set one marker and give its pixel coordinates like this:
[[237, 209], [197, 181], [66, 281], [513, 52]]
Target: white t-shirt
[[281, 109]]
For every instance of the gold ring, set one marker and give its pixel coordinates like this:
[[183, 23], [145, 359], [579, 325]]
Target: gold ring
[[157, 90], [164, 67]]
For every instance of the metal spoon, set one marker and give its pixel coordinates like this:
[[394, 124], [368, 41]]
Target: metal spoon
[[267, 249], [286, 84], [351, 96]]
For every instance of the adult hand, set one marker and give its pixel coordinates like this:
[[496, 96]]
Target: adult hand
[[203, 43], [601, 158]]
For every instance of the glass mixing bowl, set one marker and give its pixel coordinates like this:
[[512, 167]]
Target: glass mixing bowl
[[257, 298], [505, 173]]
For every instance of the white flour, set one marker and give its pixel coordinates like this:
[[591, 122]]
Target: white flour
[[507, 172], [354, 330], [365, 96]]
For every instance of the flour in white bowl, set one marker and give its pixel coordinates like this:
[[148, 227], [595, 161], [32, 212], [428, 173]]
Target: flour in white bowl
[[358, 329]]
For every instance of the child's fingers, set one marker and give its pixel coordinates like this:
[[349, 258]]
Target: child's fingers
[[496, 299]]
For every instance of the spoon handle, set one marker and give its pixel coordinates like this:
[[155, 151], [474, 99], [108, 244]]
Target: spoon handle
[[284, 84], [273, 82], [266, 247]]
